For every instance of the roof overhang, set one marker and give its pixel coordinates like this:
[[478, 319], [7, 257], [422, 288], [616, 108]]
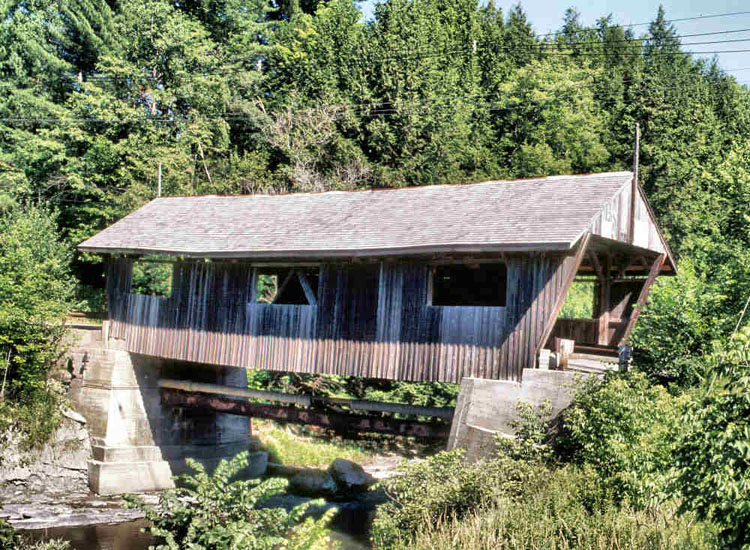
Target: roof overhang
[[338, 253]]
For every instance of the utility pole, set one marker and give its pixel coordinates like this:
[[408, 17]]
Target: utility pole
[[634, 185], [158, 188]]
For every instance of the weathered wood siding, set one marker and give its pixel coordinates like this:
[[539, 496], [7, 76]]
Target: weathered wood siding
[[372, 320], [614, 219]]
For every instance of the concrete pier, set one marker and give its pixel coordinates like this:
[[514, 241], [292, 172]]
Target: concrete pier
[[137, 443]]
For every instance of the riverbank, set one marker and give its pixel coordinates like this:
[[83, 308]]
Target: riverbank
[[44, 491], [91, 522]]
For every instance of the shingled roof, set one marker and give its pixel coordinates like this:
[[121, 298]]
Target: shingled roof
[[533, 214]]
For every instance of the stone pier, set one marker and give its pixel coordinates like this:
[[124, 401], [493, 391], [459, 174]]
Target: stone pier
[[137, 443]]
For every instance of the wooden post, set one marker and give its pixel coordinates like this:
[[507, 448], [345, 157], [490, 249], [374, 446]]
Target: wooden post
[[605, 291], [560, 300], [634, 185], [563, 349], [642, 297]]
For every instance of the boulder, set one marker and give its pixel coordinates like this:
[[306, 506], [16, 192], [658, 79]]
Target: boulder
[[74, 416], [349, 476], [310, 482]]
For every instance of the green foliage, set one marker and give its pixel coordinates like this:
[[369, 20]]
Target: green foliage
[[212, 512], [712, 454], [530, 428], [52, 544], [286, 446], [11, 540], [624, 428], [441, 487], [425, 394], [687, 313], [579, 302], [8, 536], [36, 291], [564, 511], [152, 278], [36, 414]]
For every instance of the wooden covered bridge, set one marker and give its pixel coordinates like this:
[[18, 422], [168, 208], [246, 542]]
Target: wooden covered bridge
[[432, 283]]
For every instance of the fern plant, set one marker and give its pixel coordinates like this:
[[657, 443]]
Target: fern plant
[[212, 512]]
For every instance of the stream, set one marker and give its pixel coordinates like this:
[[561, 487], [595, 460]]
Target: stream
[[101, 523], [91, 522], [350, 529]]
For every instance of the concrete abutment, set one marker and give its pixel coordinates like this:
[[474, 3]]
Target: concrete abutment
[[486, 408], [137, 443]]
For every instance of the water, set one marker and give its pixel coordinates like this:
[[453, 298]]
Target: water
[[350, 528], [122, 536]]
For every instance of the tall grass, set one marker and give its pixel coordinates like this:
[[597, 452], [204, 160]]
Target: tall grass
[[560, 515], [290, 447]]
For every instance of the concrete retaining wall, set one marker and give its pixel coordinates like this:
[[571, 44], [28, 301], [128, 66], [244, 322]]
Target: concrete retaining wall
[[488, 407]]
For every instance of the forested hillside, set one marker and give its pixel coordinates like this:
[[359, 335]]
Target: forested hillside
[[247, 96], [99, 97], [243, 96]]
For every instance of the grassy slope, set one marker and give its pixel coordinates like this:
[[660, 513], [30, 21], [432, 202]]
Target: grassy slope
[[293, 447]]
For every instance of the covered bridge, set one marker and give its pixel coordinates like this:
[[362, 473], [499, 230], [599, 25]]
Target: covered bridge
[[429, 283]]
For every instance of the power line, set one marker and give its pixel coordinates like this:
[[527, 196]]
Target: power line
[[364, 109], [410, 54], [680, 20], [606, 42]]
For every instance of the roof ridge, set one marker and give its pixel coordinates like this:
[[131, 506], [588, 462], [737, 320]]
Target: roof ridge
[[409, 187]]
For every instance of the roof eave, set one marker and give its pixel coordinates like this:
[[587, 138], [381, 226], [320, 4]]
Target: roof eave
[[339, 253]]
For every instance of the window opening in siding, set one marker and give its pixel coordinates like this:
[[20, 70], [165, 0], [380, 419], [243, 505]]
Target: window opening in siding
[[152, 278], [579, 302], [287, 286], [469, 285]]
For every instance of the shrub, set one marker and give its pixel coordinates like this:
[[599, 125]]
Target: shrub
[[687, 313], [36, 291], [444, 486], [713, 454], [8, 536], [530, 430], [36, 414], [623, 427], [214, 513]]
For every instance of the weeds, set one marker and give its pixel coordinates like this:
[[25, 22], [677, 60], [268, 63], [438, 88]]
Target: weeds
[[295, 449], [36, 414]]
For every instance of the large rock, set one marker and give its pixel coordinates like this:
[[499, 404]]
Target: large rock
[[349, 476], [310, 482], [57, 467]]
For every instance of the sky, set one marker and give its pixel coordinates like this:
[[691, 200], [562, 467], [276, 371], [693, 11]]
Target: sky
[[547, 15]]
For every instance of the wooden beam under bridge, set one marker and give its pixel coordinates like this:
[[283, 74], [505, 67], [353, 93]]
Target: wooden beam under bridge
[[337, 421], [303, 400]]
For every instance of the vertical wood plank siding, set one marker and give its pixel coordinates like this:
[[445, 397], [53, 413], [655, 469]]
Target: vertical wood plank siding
[[370, 321], [612, 222]]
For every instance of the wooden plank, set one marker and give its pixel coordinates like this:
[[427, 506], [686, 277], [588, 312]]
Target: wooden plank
[[655, 269], [569, 277], [312, 299], [605, 292]]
